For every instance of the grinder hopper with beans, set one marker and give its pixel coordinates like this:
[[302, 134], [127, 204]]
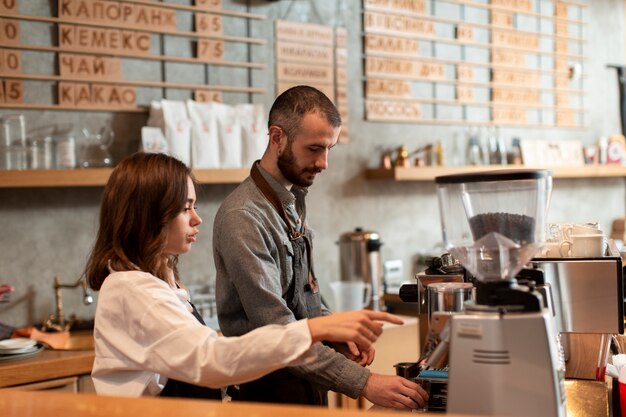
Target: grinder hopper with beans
[[494, 223]]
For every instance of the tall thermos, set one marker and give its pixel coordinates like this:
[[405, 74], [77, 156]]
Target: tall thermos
[[359, 256]]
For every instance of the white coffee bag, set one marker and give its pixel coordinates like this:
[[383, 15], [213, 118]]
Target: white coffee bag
[[205, 150], [153, 140], [177, 129], [254, 132], [229, 130]]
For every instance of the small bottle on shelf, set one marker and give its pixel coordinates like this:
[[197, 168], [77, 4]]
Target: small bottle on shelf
[[515, 154], [474, 151]]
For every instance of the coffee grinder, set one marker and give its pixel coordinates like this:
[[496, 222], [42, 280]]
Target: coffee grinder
[[504, 355]]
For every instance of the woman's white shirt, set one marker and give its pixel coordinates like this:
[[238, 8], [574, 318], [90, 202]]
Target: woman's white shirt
[[145, 333]]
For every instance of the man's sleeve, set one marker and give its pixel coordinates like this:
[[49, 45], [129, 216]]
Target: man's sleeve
[[250, 257]]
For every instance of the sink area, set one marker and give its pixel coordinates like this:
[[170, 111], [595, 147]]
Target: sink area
[[79, 340], [66, 340]]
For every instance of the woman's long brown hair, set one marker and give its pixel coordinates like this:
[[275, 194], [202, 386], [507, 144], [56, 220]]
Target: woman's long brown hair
[[145, 192]]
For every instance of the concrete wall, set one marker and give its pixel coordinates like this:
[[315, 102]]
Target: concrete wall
[[48, 232]]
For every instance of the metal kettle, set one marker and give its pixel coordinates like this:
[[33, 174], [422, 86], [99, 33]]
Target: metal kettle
[[359, 257]]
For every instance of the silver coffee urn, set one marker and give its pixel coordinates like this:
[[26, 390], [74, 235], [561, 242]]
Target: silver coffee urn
[[360, 260]]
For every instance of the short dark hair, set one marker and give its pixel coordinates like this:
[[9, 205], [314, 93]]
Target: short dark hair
[[296, 102]]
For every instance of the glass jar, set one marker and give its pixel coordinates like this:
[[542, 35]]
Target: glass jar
[[66, 152]]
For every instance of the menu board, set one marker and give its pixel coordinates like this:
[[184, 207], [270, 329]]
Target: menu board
[[315, 55], [90, 41], [490, 62]]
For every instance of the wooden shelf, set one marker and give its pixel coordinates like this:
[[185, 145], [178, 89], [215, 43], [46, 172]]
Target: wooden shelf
[[95, 177], [429, 173]]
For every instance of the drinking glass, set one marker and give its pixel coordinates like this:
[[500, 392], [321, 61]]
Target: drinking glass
[[13, 142]]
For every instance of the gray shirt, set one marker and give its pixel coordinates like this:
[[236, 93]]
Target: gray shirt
[[252, 253]]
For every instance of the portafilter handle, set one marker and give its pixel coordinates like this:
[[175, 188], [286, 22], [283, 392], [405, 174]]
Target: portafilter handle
[[409, 293]]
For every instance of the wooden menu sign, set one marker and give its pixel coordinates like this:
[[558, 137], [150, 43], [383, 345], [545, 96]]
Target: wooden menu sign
[[92, 95], [464, 73], [304, 55], [519, 40], [406, 68], [521, 5], [464, 93], [509, 115], [9, 32], [505, 95], [209, 24], [114, 13], [399, 6], [515, 77], [405, 111], [209, 50], [89, 67], [502, 18], [464, 33], [11, 91], [391, 24], [391, 45], [504, 57], [425, 65], [91, 49], [377, 87], [304, 73], [305, 33], [10, 61], [87, 39], [315, 54]]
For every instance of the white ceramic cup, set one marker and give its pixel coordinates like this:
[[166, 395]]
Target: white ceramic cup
[[581, 229], [351, 295], [589, 245], [556, 249]]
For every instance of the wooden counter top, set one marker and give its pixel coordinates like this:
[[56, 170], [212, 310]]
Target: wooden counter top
[[49, 364], [41, 403]]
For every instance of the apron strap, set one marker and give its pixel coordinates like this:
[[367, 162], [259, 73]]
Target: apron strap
[[271, 196]]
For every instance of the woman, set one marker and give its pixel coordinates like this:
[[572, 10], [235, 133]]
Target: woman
[[149, 339]]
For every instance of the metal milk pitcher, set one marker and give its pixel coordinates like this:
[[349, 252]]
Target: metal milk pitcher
[[359, 257]]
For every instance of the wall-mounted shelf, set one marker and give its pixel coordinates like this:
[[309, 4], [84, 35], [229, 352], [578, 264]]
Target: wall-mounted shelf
[[94, 177], [429, 173]]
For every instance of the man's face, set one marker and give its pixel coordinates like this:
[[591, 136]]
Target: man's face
[[306, 154]]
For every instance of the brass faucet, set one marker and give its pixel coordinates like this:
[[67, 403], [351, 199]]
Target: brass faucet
[[57, 321]]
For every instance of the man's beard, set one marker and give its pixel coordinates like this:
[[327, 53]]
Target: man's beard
[[289, 168]]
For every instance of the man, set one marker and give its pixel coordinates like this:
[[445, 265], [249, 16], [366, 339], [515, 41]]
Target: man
[[262, 252]]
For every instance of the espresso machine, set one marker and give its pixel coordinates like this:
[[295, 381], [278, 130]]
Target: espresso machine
[[494, 223], [588, 303]]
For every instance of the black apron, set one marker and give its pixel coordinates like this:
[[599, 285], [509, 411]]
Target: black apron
[[174, 388], [303, 299]]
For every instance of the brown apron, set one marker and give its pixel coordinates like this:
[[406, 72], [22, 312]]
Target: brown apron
[[303, 299]]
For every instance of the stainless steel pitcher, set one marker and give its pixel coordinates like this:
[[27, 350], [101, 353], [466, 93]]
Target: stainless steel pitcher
[[360, 260]]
